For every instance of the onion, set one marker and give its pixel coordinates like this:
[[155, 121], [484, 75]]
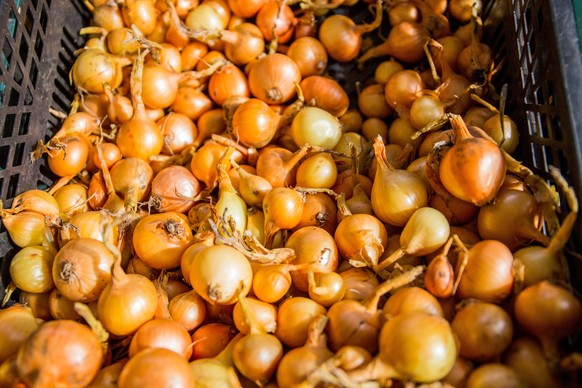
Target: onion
[[38, 303], [139, 137], [396, 194], [276, 20], [61, 307], [325, 93], [359, 283], [94, 68], [179, 132], [228, 82], [88, 226], [342, 38], [372, 103], [479, 180], [246, 9], [411, 299], [312, 245], [265, 315], [293, 319], [188, 310], [316, 127], [326, 288], [36, 201], [192, 103], [161, 239], [215, 285], [243, 44], [257, 354], [309, 55], [494, 374], [272, 78], [17, 323], [60, 352], [128, 301], [359, 323], [550, 313], [426, 231], [402, 89], [174, 187], [426, 350], [360, 238], [488, 274], [81, 269], [514, 219], [405, 43], [230, 206], [68, 154], [108, 376], [299, 363], [279, 165], [25, 228], [218, 371], [145, 369], [254, 123], [317, 171], [161, 334], [525, 356], [271, 282], [282, 208], [544, 263], [30, 269], [210, 340], [484, 331], [252, 187]]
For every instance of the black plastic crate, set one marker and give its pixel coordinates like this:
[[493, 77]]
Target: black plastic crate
[[536, 39]]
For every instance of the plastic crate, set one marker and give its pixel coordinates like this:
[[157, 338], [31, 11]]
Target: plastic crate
[[536, 39]]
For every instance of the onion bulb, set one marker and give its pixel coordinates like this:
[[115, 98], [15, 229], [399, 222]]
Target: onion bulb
[[549, 312], [396, 194], [215, 285], [60, 352]]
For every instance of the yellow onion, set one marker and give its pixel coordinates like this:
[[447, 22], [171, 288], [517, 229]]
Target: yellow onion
[[30, 269], [82, 268], [396, 194]]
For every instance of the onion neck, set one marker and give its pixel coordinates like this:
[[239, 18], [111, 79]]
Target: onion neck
[[225, 356], [460, 128], [371, 303], [364, 28], [249, 315], [380, 154], [136, 86], [232, 37], [374, 370], [315, 333]]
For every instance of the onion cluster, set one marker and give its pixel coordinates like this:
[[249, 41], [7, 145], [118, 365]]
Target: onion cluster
[[226, 214]]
